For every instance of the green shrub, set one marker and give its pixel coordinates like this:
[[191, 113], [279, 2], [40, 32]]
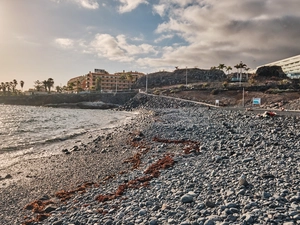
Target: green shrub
[[215, 92], [156, 92]]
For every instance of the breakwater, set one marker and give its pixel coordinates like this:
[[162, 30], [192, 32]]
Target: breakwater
[[40, 100]]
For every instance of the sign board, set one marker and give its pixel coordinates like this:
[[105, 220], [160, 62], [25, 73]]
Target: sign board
[[256, 101], [217, 102]]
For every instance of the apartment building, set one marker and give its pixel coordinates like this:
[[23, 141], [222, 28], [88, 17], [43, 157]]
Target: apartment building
[[101, 80], [290, 66]]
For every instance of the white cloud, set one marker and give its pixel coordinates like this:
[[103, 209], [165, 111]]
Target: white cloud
[[64, 42], [88, 4], [160, 9], [106, 46], [226, 31], [163, 37], [129, 5], [134, 49], [210, 32], [109, 47]]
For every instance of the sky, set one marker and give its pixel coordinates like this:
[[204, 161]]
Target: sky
[[61, 39]]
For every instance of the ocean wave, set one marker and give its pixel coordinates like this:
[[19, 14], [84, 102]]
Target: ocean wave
[[41, 142]]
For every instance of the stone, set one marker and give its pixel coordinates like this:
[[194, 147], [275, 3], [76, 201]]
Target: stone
[[243, 181], [209, 222], [49, 209], [142, 212], [210, 204], [187, 198]]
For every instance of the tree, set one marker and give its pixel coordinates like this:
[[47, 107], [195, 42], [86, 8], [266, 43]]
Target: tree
[[45, 84], [22, 84], [228, 68], [129, 77], [64, 88], [221, 66], [58, 89], [78, 85], [98, 83], [3, 86], [7, 84], [38, 85], [13, 84], [50, 83], [71, 86], [237, 66]]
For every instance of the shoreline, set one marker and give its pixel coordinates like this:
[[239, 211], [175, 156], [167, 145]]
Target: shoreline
[[202, 187], [27, 178]]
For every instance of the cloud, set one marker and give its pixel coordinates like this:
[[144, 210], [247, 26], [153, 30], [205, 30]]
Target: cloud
[[216, 32], [64, 43], [163, 37], [88, 4], [129, 5], [108, 47], [204, 33]]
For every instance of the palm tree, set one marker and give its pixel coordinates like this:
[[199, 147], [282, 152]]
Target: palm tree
[[50, 83], [45, 83], [3, 87], [58, 89], [237, 66], [14, 84], [129, 77], [22, 84], [38, 85], [242, 66], [71, 86], [7, 84], [221, 66], [98, 83], [78, 85], [228, 68]]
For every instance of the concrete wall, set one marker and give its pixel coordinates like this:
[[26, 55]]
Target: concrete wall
[[40, 100]]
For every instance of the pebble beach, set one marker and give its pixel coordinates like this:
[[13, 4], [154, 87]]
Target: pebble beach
[[175, 163]]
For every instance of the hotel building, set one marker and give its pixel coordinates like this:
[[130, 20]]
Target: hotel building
[[290, 66], [101, 80]]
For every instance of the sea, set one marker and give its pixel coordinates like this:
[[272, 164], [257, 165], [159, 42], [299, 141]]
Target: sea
[[34, 131]]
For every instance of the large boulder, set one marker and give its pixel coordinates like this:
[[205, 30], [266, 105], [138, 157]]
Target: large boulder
[[270, 72]]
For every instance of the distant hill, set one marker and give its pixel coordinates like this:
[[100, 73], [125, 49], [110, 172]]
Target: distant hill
[[178, 76]]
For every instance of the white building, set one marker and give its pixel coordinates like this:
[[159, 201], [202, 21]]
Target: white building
[[290, 66]]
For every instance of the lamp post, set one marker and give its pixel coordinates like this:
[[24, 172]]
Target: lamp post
[[241, 72], [116, 84], [146, 82], [186, 76]]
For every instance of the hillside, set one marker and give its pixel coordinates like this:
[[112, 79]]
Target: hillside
[[180, 76]]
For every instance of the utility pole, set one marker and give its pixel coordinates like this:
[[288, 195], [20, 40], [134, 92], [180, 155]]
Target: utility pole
[[146, 82], [243, 97], [241, 72], [186, 76]]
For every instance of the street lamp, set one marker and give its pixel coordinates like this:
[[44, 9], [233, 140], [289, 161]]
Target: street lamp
[[186, 76], [146, 82]]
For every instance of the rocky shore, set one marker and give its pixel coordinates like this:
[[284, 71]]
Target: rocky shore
[[176, 163]]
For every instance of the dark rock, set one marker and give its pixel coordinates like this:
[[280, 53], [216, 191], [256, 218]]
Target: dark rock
[[8, 176], [210, 204], [49, 209]]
